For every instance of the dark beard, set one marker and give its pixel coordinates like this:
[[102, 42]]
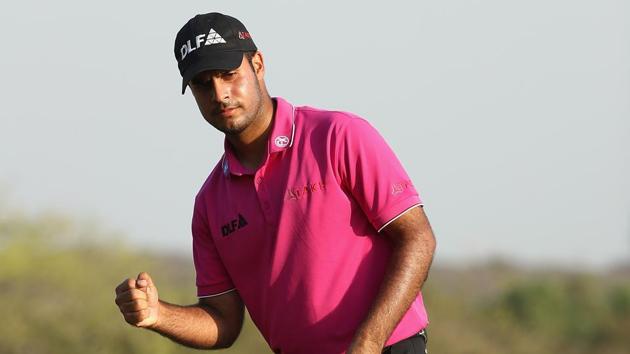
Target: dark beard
[[249, 120], [232, 131]]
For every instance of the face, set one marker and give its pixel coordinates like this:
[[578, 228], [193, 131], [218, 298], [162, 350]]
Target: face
[[231, 101]]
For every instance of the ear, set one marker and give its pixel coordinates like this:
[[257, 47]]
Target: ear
[[258, 65]]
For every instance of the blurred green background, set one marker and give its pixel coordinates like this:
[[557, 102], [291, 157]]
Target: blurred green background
[[57, 279], [511, 117]]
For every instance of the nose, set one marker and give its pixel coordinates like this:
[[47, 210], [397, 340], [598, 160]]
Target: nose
[[221, 90]]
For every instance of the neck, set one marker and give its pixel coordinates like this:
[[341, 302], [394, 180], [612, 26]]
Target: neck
[[250, 146]]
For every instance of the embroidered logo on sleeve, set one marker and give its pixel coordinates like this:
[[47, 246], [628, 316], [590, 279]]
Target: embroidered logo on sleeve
[[400, 187]]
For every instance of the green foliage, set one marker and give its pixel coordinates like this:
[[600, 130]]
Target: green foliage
[[530, 312], [57, 282]]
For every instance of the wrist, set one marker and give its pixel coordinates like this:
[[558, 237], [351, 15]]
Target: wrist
[[367, 340], [160, 311], [364, 345]]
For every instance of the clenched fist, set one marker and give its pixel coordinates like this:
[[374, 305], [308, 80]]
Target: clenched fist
[[138, 301]]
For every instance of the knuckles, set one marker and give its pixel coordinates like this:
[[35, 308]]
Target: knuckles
[[132, 302], [135, 318], [125, 285], [134, 298], [134, 306]]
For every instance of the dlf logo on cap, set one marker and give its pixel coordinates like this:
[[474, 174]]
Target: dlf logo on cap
[[211, 41], [212, 38]]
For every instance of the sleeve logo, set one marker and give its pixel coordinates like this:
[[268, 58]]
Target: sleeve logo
[[400, 187]]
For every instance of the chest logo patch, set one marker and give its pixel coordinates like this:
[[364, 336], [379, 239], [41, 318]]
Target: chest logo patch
[[281, 141], [303, 191], [233, 225]]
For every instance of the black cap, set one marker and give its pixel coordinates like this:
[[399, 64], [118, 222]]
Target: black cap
[[211, 41]]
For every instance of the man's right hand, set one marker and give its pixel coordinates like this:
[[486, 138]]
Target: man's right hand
[[137, 300]]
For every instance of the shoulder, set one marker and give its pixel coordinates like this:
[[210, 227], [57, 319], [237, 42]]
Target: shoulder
[[332, 120], [212, 180]]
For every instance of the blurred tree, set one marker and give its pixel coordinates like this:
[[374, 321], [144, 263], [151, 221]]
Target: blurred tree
[[57, 280]]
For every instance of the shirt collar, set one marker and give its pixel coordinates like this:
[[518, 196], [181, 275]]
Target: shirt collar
[[280, 139], [283, 133]]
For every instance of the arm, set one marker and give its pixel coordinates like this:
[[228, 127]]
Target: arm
[[213, 323], [413, 244]]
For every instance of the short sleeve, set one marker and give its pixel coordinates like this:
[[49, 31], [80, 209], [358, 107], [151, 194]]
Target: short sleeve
[[371, 172], [212, 277]]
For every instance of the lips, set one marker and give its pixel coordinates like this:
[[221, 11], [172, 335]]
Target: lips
[[226, 112]]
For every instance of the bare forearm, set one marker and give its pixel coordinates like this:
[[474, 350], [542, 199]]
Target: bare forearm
[[405, 274], [193, 326]]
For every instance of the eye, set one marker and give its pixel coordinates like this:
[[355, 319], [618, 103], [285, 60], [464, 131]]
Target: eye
[[202, 83], [228, 75]]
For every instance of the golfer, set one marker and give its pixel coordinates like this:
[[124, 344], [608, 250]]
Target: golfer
[[308, 219]]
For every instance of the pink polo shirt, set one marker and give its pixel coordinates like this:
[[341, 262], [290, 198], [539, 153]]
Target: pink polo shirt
[[298, 238]]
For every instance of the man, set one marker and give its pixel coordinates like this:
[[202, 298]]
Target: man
[[308, 219]]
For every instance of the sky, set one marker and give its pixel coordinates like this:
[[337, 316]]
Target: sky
[[512, 118]]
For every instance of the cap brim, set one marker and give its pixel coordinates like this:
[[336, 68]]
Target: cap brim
[[218, 61]]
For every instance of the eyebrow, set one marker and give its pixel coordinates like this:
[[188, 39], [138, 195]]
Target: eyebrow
[[199, 79]]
